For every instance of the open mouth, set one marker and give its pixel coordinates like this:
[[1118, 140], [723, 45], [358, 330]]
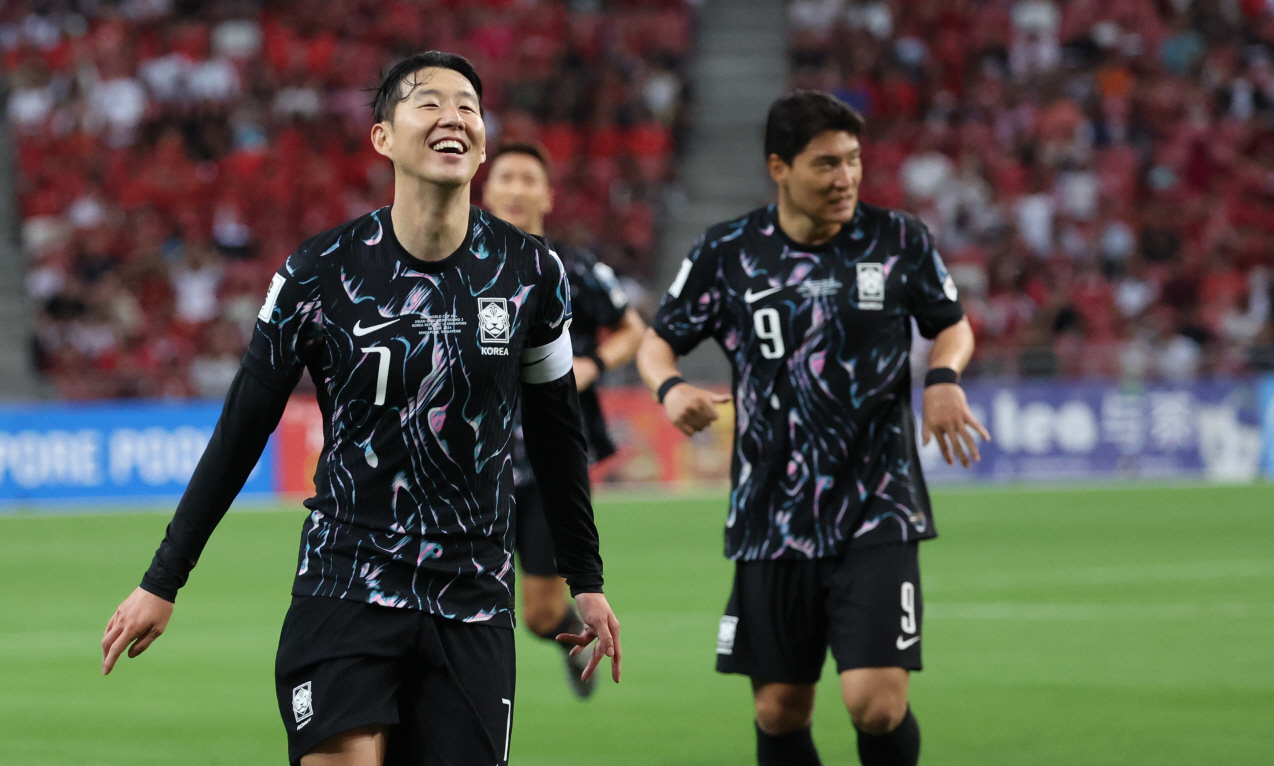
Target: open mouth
[[449, 146]]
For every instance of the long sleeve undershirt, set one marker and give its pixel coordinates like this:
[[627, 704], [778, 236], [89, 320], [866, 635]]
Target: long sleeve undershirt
[[555, 447]]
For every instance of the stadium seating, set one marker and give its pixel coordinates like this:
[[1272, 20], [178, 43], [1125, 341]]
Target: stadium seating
[[171, 153], [1097, 173]]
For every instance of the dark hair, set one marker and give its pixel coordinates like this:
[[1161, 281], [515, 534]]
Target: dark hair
[[390, 91], [796, 118], [521, 147]]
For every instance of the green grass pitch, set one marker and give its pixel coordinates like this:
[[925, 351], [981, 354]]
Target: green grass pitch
[[1106, 626]]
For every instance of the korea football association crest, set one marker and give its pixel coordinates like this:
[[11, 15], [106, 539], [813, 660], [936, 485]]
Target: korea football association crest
[[871, 286], [302, 704], [494, 325]]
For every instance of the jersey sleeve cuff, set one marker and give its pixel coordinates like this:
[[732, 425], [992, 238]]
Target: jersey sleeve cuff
[[167, 593], [935, 322], [585, 584], [680, 346], [266, 375]]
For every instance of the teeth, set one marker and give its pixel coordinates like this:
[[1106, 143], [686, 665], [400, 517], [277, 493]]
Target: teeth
[[443, 146]]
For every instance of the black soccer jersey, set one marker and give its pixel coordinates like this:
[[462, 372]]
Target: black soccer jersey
[[417, 366], [819, 339], [597, 301]]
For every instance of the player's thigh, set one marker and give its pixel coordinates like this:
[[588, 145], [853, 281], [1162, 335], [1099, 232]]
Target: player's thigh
[[458, 709], [534, 541], [338, 668], [360, 747], [874, 607], [774, 628]]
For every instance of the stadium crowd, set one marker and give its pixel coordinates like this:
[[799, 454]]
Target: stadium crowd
[[1099, 173], [171, 153]]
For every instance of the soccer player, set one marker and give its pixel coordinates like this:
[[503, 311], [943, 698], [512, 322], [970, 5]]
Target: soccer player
[[812, 300], [417, 322], [518, 190]]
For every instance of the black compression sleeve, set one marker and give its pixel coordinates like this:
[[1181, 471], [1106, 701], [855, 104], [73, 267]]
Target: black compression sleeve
[[251, 412], [554, 436]]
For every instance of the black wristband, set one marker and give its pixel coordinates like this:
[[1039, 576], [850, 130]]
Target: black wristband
[[667, 386], [941, 375], [597, 360]]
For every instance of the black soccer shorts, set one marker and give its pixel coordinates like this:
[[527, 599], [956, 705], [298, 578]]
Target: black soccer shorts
[[443, 687], [783, 615], [534, 543]]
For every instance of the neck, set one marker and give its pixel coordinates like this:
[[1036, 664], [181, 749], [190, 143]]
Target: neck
[[535, 227], [801, 228], [430, 221]]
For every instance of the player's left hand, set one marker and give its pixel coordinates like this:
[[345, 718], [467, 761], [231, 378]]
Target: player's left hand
[[947, 418], [599, 623], [586, 372]]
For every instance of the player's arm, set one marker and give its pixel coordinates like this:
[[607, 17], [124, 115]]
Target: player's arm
[[690, 408], [946, 410], [286, 334], [251, 413], [689, 312], [617, 350], [552, 427], [934, 302]]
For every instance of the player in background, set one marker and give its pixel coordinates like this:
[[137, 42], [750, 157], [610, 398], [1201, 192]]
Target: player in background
[[422, 324], [518, 189], [812, 300]]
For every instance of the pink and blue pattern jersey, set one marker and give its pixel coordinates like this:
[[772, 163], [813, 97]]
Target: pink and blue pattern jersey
[[819, 340], [417, 366]]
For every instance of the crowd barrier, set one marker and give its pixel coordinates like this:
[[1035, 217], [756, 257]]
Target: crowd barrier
[[1041, 431]]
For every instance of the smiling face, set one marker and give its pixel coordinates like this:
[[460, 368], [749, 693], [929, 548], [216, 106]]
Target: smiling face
[[517, 190], [822, 181], [435, 133]]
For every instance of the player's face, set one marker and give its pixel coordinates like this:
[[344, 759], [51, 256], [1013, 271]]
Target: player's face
[[517, 190], [437, 134], [822, 181]]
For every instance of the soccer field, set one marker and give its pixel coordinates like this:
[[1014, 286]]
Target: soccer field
[[1115, 626]]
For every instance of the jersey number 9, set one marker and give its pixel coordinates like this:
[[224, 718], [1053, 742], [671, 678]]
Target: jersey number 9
[[767, 328]]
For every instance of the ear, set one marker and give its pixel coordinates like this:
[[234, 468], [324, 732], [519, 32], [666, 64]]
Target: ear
[[778, 169], [548, 207], [383, 139]]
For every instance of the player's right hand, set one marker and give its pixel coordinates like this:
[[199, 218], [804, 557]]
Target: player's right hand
[[692, 409], [138, 621]]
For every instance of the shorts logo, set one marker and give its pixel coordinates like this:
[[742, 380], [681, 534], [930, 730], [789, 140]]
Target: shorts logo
[[493, 320], [302, 705], [871, 286], [726, 633]]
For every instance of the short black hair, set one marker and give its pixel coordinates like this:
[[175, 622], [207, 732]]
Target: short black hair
[[521, 147], [796, 118], [390, 91]]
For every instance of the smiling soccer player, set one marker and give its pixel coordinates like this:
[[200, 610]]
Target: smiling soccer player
[[422, 324], [812, 300]]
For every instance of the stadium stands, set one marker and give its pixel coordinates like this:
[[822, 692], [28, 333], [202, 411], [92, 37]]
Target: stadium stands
[[1097, 173], [171, 153]]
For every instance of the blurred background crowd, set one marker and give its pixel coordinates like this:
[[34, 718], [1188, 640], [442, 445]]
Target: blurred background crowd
[[1099, 173], [171, 154]]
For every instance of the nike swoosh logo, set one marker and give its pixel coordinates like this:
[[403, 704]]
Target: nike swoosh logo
[[751, 297], [360, 331], [903, 644]]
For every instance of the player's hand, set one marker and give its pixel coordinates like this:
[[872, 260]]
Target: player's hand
[[138, 621], [692, 409], [586, 372], [947, 418], [599, 623]]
